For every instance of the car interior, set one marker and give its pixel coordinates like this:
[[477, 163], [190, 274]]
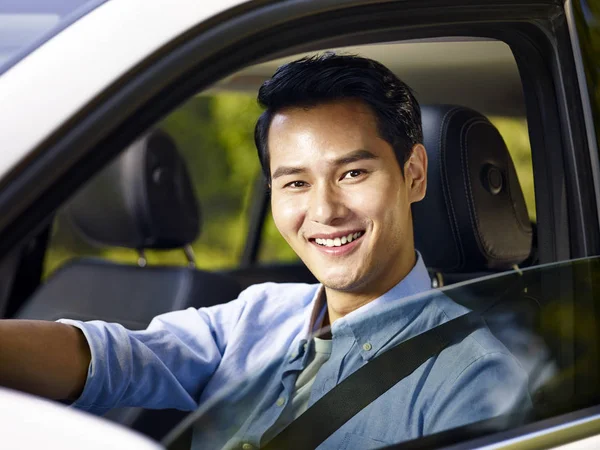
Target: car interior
[[476, 223]]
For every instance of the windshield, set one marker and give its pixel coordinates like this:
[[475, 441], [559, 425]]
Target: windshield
[[26, 24]]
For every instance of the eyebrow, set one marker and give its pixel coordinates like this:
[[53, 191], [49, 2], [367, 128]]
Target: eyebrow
[[284, 170], [354, 156]]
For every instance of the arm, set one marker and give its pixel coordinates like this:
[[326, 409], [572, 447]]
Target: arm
[[166, 365], [43, 358]]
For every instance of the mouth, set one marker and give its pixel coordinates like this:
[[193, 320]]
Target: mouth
[[338, 241], [339, 244]]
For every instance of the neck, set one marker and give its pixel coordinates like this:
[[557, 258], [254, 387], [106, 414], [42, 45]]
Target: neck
[[341, 303]]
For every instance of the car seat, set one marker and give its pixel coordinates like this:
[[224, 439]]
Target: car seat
[[473, 222]]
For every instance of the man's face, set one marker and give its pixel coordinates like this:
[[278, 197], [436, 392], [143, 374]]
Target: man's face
[[339, 197]]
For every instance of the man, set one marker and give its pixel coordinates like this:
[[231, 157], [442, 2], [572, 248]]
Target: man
[[340, 144]]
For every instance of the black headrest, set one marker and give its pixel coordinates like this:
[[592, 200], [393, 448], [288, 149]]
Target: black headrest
[[143, 200], [473, 217]]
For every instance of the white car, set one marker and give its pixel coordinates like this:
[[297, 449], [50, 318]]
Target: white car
[[86, 85]]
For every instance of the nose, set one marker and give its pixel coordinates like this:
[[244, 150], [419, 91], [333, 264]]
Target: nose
[[327, 205]]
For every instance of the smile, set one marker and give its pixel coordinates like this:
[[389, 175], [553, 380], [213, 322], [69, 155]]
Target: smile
[[339, 241]]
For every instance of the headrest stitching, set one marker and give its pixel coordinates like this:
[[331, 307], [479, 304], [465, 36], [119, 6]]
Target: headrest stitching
[[514, 212], [444, 175], [528, 232], [481, 240]]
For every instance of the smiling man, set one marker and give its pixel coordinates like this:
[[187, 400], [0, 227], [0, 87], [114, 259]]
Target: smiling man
[[341, 198], [340, 143]]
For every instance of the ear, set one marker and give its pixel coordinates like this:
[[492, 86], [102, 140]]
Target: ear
[[415, 173]]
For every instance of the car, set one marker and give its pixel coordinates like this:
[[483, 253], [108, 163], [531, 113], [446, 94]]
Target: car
[[127, 129]]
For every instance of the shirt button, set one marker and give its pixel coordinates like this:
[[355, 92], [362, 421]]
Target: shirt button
[[247, 446], [280, 401], [367, 346]]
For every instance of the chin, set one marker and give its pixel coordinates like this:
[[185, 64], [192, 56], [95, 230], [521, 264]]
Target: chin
[[340, 282]]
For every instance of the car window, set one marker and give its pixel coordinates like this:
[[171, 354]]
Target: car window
[[26, 24]]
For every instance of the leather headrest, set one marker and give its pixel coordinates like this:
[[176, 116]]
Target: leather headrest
[[473, 217], [143, 200]]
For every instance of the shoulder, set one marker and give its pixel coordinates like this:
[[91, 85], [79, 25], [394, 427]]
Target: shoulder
[[480, 343], [479, 355]]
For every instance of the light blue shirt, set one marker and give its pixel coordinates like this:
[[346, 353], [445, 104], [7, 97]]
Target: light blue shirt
[[239, 362]]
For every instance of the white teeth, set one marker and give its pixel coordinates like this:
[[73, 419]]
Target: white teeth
[[338, 242]]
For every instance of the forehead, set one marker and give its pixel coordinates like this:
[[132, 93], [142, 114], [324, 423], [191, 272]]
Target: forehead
[[322, 131], [332, 116]]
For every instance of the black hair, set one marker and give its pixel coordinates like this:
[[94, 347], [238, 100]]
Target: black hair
[[328, 77]]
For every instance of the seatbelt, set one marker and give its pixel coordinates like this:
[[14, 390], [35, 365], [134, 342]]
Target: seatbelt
[[368, 383]]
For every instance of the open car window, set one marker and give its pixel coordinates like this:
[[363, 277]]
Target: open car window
[[129, 281]]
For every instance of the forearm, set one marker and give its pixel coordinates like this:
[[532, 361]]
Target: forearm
[[43, 358]]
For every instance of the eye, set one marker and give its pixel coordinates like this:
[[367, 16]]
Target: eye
[[354, 174], [295, 185]]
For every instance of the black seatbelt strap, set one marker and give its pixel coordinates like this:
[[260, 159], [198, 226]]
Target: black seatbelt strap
[[369, 382]]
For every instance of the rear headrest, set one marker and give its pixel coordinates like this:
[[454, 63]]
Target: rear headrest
[[143, 200], [473, 217]]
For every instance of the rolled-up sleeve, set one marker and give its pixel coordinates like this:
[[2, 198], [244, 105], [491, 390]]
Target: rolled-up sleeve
[[166, 365]]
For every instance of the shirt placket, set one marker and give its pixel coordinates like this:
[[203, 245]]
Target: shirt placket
[[293, 364], [329, 373]]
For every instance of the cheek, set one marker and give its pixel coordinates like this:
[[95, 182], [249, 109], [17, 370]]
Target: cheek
[[374, 202], [383, 204], [288, 215]]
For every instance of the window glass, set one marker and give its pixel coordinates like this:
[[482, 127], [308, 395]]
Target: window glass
[[26, 24], [541, 327]]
